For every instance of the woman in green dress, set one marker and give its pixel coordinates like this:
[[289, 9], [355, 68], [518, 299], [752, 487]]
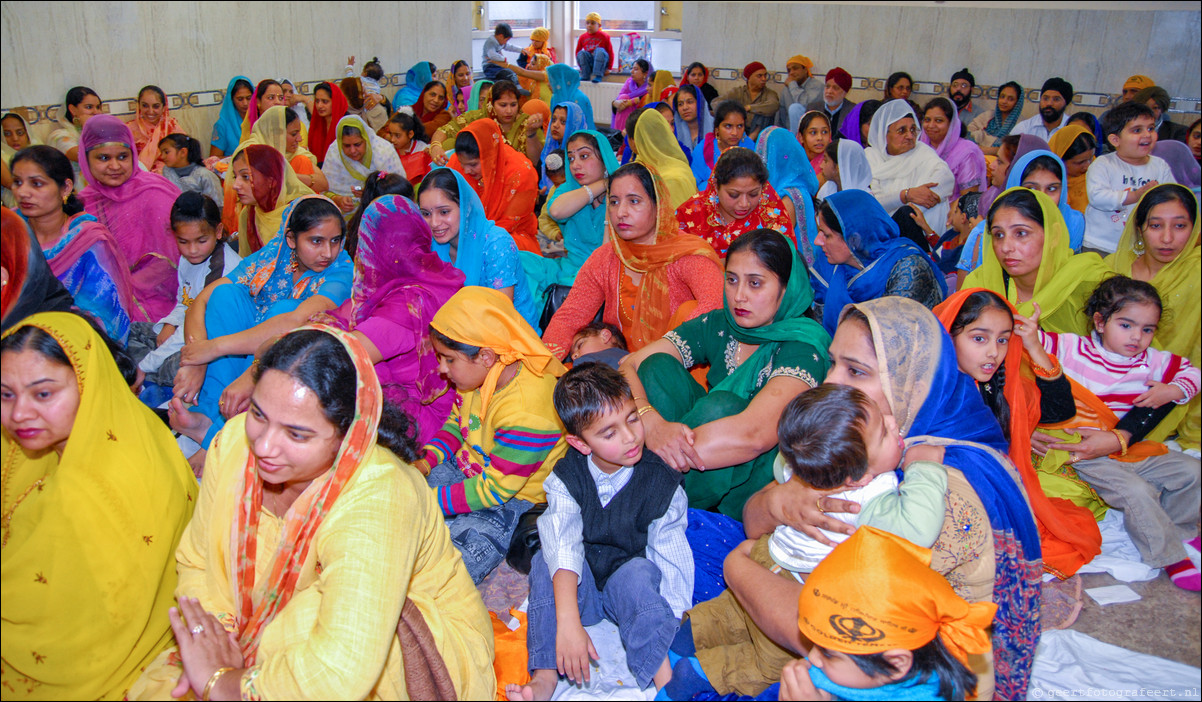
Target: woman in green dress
[[762, 352]]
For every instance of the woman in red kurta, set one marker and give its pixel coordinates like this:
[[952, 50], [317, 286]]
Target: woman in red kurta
[[738, 200], [505, 181]]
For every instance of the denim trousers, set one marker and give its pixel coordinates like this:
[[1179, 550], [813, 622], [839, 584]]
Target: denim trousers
[[483, 536], [630, 599]]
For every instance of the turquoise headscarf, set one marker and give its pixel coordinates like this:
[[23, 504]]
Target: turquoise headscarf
[[227, 132], [416, 77], [482, 87], [583, 232], [790, 325], [476, 231], [565, 87], [574, 122], [1074, 219]]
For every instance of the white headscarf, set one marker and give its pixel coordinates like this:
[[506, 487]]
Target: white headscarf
[[892, 173], [854, 171]]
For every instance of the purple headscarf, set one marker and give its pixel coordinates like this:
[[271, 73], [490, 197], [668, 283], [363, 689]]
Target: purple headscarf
[[400, 283], [961, 155], [1181, 161], [138, 214]]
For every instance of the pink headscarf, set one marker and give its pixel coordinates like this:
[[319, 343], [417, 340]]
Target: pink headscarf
[[961, 155], [138, 214]]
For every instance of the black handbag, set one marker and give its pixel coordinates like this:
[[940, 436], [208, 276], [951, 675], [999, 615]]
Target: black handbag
[[553, 299]]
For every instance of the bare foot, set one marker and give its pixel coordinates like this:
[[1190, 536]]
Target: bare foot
[[197, 462], [191, 424], [541, 687]]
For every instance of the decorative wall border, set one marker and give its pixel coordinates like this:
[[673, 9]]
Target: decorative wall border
[[123, 107]]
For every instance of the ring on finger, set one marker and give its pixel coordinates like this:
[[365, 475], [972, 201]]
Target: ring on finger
[[198, 630], [818, 502]]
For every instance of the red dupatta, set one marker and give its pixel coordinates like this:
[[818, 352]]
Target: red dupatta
[[321, 129], [508, 184]]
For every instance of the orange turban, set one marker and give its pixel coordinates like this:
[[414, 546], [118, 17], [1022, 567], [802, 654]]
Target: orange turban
[[1139, 82], [486, 318], [800, 60], [876, 592]]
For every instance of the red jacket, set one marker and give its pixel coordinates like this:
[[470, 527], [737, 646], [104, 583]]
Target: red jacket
[[588, 42]]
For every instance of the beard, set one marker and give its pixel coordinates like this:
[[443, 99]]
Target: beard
[[1051, 114], [961, 99]]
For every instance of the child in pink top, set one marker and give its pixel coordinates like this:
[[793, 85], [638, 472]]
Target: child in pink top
[[1159, 496]]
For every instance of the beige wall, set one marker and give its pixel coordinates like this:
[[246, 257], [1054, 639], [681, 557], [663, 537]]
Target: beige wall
[[1094, 49], [195, 47]]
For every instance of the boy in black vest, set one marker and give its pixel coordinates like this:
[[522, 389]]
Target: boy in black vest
[[613, 542]]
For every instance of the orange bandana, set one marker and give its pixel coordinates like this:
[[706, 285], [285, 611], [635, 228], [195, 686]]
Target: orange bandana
[[876, 592]]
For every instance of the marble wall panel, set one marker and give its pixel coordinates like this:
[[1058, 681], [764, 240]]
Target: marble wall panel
[[1094, 49], [190, 46]]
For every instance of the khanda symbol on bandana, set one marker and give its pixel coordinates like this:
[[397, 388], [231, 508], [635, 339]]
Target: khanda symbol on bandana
[[855, 629]]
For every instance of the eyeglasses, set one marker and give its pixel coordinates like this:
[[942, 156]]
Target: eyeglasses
[[902, 131]]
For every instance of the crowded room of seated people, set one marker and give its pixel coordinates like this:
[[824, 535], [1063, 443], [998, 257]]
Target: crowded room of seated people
[[600, 350]]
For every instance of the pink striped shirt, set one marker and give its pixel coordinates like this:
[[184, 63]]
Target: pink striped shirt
[[1117, 380]]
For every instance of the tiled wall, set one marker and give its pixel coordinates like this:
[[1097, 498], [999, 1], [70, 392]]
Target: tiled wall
[[1094, 49], [191, 49]]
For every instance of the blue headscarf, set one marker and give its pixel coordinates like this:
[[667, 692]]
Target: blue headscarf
[[1074, 219], [478, 235], [791, 174], [574, 122], [415, 79], [583, 232], [705, 121], [565, 87], [876, 241], [932, 400], [227, 132]]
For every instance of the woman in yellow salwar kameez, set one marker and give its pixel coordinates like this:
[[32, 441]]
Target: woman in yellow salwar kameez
[[96, 497], [311, 541]]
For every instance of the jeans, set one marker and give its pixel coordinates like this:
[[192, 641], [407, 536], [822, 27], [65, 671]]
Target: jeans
[[496, 73], [483, 536], [593, 64], [630, 599]]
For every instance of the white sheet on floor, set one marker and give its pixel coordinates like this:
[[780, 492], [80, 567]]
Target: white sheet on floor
[[1113, 594], [1119, 556], [611, 680], [1072, 666]]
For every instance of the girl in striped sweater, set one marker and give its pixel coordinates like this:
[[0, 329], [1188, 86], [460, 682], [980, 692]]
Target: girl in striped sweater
[[1158, 493], [488, 462]]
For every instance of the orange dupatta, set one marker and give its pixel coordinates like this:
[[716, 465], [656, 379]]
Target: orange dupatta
[[508, 184], [650, 316], [1068, 533], [306, 514], [147, 137]]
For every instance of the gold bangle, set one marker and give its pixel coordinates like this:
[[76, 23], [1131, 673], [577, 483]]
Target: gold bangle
[[213, 681], [1047, 373], [1122, 441], [645, 410]]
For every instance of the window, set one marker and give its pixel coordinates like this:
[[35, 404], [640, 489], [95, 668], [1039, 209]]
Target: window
[[620, 16], [518, 15]]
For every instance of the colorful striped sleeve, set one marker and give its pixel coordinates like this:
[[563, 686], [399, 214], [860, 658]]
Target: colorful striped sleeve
[[445, 442], [517, 454]]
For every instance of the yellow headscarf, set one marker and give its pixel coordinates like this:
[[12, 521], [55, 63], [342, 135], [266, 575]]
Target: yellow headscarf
[[1064, 282], [1178, 284], [1059, 143], [660, 82], [801, 61], [89, 561], [841, 607], [593, 16], [272, 129], [1139, 82], [657, 147], [540, 34], [486, 318]]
